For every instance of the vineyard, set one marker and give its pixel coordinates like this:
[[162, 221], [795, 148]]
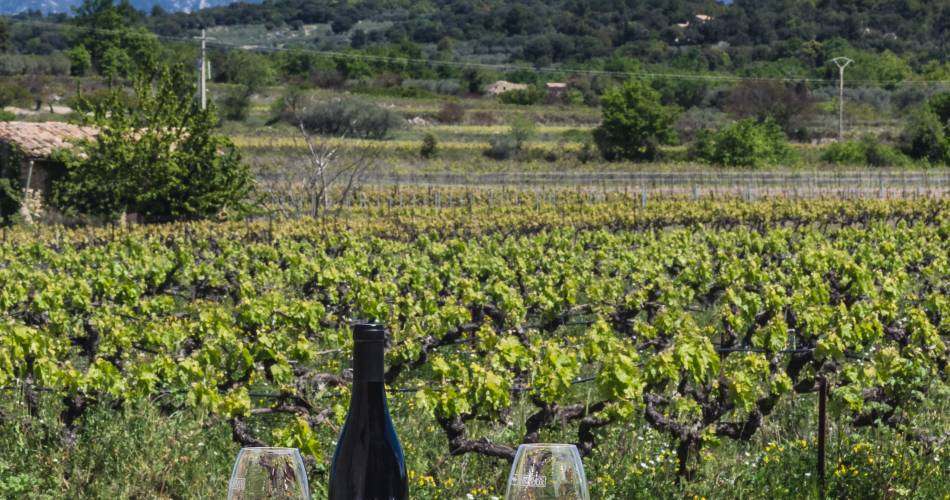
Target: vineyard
[[680, 345]]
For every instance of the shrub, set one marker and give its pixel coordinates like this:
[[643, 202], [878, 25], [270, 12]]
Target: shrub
[[429, 146], [867, 151], [235, 105], [451, 112], [376, 89], [448, 86], [524, 97], [347, 117], [844, 153], [485, 118], [634, 124], [745, 143], [11, 93], [501, 148]]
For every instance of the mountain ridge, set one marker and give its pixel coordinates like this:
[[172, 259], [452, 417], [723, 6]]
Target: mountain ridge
[[13, 7]]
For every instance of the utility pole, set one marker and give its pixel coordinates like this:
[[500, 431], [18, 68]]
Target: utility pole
[[841, 63], [203, 72]]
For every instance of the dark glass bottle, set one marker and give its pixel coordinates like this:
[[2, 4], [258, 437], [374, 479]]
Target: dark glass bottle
[[368, 463]]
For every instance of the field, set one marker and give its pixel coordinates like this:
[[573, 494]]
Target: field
[[679, 342]]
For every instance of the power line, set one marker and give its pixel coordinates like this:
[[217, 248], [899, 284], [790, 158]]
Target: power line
[[476, 65]]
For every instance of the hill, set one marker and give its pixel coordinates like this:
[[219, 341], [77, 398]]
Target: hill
[[699, 34]]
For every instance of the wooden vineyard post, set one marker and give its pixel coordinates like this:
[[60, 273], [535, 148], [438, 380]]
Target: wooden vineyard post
[[822, 433]]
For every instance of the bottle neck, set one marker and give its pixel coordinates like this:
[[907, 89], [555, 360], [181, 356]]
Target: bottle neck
[[367, 362]]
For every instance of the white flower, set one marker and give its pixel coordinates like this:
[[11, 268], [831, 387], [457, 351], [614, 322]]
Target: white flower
[[470, 496], [643, 465]]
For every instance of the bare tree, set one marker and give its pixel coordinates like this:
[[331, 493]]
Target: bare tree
[[324, 181], [789, 105]]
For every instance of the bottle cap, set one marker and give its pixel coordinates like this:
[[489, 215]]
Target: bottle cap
[[368, 331]]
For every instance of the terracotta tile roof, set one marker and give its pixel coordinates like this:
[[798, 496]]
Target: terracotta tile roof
[[40, 139]]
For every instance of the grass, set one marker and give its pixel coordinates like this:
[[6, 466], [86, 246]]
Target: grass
[[136, 452]]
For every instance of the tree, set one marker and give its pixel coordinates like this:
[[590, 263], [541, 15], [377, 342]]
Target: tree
[[926, 134], [252, 72], [114, 64], [328, 177], [158, 157], [80, 61], [634, 124], [746, 143], [785, 104], [104, 26]]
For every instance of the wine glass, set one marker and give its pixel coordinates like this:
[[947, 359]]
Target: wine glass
[[268, 473], [547, 471]]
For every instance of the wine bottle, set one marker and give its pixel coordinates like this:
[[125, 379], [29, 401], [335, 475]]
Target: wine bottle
[[368, 463]]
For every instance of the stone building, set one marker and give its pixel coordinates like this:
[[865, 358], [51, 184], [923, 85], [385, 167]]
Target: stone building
[[26, 155]]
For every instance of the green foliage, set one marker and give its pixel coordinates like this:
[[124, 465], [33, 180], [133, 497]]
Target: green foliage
[[112, 35], [12, 94], [10, 199], [429, 146], [524, 97], [114, 63], [745, 143], [867, 151], [682, 92], [235, 105], [512, 144], [160, 157], [522, 130], [33, 65], [132, 452], [250, 70], [80, 60], [635, 123], [501, 147], [494, 326], [347, 117], [926, 134]]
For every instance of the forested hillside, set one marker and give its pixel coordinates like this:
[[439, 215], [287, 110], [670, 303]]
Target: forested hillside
[[703, 33]]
